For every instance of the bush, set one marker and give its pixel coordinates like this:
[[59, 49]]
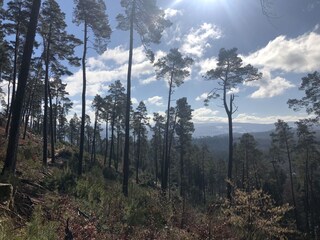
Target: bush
[[110, 173], [40, 228], [253, 215], [63, 181]]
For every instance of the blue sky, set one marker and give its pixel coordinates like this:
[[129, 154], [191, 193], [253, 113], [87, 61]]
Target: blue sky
[[285, 47]]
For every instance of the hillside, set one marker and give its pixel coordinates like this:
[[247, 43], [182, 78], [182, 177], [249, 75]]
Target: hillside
[[48, 203], [218, 145]]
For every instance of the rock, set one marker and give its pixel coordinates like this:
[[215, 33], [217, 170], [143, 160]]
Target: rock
[[6, 195]]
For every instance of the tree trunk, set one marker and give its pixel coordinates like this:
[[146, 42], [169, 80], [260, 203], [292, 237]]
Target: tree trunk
[[12, 149], [164, 180], [107, 143], [306, 192], [203, 180], [229, 187], [84, 85], [118, 147], [138, 154], [93, 147], [46, 88], [112, 134], [127, 117], [292, 187], [52, 134], [14, 75]]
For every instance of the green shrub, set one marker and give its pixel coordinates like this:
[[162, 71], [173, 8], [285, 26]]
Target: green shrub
[[110, 173], [63, 181], [40, 228], [6, 228]]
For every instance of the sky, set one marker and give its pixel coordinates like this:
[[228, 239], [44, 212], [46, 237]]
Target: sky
[[284, 46]]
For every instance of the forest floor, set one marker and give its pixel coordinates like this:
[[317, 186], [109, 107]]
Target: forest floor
[[54, 202]]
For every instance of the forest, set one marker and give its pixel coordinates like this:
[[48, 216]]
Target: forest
[[126, 172]]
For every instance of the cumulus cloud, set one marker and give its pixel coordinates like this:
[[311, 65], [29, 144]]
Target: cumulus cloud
[[234, 90], [156, 100], [134, 101], [197, 40], [206, 115], [269, 87], [202, 115], [206, 65], [170, 13], [111, 66], [202, 97], [247, 118], [299, 55]]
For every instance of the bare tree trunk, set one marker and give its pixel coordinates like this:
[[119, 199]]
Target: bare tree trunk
[[14, 75], [84, 85], [10, 161], [112, 134], [52, 134], [292, 187], [93, 147], [107, 143], [164, 180], [230, 161], [127, 117]]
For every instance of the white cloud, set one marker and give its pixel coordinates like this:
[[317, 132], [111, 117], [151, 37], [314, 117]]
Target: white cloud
[[118, 55], [202, 97], [201, 115], [299, 55], [234, 90], [198, 39], [206, 65], [205, 115], [173, 35], [156, 100], [111, 66], [170, 13], [247, 118], [77, 108], [134, 101], [148, 80], [269, 87]]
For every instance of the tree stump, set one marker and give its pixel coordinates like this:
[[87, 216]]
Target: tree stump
[[6, 195]]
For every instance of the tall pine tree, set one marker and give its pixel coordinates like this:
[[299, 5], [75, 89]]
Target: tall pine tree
[[92, 14]]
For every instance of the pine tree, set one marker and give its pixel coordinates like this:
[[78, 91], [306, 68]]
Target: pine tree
[[117, 103], [58, 46], [148, 21], [230, 72], [284, 136], [184, 131], [175, 68], [90, 13], [10, 161], [17, 16], [140, 120], [311, 101], [157, 143], [97, 105]]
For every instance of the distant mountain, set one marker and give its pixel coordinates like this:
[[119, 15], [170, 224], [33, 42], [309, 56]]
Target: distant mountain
[[215, 136], [214, 129], [218, 144]]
